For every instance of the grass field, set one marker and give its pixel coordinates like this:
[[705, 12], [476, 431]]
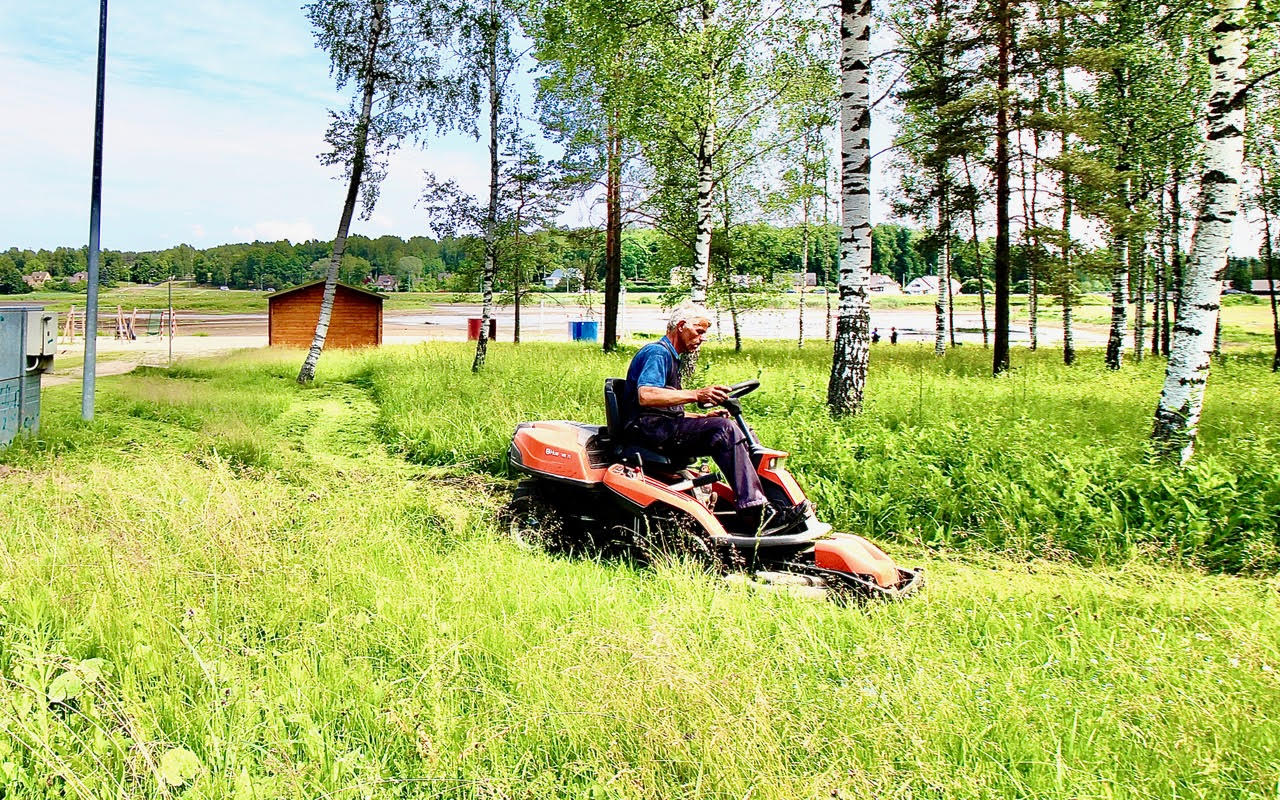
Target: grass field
[[229, 586], [1048, 460]]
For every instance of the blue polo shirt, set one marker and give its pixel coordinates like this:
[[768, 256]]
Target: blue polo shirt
[[655, 364]]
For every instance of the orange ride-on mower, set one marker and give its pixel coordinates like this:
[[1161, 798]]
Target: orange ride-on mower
[[590, 490]]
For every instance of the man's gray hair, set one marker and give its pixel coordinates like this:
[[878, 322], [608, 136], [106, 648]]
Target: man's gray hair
[[687, 312]]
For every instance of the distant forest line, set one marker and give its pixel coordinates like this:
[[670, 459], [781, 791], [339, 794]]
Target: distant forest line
[[773, 253]]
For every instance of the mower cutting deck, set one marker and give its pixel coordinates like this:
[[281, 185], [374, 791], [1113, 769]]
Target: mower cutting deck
[[590, 489]]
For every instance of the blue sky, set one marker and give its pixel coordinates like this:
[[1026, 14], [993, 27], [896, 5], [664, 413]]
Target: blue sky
[[215, 114], [216, 110]]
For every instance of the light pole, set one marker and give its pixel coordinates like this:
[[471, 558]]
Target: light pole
[[171, 326], [95, 226]]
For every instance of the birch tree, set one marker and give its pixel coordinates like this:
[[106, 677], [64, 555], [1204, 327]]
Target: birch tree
[[588, 92], [714, 72], [1177, 415], [853, 323], [937, 128], [384, 46], [480, 87]]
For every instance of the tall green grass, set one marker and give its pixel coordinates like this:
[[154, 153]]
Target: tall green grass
[[327, 620], [1048, 460]]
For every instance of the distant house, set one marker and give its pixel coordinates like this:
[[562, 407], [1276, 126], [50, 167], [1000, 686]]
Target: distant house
[[37, 279], [808, 278], [928, 284], [386, 283], [80, 277], [558, 276], [883, 284], [1260, 287], [746, 281]]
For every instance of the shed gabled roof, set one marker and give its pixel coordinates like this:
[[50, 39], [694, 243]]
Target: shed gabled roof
[[309, 284]]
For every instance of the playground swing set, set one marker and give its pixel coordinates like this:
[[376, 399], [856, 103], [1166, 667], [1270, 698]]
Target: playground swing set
[[126, 326]]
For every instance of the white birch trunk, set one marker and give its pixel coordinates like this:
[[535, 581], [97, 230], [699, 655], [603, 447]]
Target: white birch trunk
[[942, 302], [702, 237], [804, 268], [358, 155], [491, 214], [1178, 413], [1119, 305], [1138, 269], [849, 361]]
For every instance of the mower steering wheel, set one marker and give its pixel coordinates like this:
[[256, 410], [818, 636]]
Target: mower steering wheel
[[735, 391], [746, 387]]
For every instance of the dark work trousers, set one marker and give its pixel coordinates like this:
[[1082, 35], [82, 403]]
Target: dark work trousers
[[691, 437]]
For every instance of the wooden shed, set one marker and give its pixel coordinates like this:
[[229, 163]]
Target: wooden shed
[[356, 321]]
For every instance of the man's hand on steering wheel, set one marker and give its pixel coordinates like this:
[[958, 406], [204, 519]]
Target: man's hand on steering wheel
[[711, 395]]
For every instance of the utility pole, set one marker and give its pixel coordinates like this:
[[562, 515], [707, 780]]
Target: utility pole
[[95, 226], [170, 320]]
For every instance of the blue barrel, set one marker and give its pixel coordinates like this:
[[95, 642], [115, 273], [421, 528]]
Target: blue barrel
[[589, 330], [575, 331]]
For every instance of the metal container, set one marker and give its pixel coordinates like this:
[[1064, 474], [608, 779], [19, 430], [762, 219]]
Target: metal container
[[28, 341]]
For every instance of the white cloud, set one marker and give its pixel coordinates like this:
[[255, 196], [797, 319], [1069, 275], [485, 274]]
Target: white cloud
[[274, 230]]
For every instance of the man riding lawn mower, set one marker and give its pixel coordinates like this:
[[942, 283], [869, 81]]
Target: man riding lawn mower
[[629, 484]]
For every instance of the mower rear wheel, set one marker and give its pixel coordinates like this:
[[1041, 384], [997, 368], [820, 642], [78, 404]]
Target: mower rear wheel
[[534, 523], [675, 536]]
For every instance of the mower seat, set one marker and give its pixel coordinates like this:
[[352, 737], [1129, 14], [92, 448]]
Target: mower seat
[[629, 452]]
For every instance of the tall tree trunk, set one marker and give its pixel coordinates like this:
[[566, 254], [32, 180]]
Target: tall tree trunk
[[804, 240], [517, 273], [1138, 269], [804, 269], [706, 185], [849, 360], [1157, 278], [730, 291], [613, 235], [733, 319], [1068, 276], [1178, 413], [826, 277], [1028, 215], [1033, 264], [1119, 285], [491, 214], [977, 254], [1272, 287], [951, 300], [1159, 315], [1000, 354], [941, 302], [702, 236], [1175, 233], [358, 155]]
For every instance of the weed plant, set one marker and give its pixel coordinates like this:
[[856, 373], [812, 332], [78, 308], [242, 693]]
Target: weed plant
[[1047, 461], [228, 586]]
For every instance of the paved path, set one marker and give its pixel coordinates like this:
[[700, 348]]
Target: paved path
[[215, 334], [549, 321]]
